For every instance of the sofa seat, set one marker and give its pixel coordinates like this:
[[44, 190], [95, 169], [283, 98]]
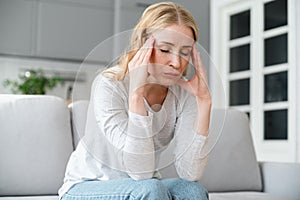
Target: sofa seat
[[54, 197], [212, 196], [246, 196]]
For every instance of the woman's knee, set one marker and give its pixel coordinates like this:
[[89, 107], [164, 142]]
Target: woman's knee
[[198, 191], [183, 189], [153, 189]]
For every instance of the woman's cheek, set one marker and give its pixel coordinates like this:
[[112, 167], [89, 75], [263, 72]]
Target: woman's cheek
[[159, 57], [150, 69], [185, 62]]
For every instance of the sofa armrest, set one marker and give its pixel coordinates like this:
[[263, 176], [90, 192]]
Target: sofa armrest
[[281, 178]]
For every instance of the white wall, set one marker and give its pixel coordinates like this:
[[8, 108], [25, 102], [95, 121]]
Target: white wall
[[201, 12], [11, 66]]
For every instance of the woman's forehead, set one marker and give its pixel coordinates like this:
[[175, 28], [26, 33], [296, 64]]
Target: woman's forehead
[[175, 34]]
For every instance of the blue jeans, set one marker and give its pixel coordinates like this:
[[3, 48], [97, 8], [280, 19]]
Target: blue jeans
[[129, 189]]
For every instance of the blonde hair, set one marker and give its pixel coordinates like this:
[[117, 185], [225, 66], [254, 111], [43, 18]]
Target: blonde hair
[[156, 16]]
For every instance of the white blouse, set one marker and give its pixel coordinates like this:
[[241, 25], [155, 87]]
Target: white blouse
[[121, 144]]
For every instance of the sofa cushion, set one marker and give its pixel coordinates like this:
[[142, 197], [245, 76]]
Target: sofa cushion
[[246, 196], [30, 198], [78, 115], [35, 144], [232, 164], [280, 178]]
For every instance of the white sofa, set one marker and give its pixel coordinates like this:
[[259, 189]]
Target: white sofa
[[38, 134]]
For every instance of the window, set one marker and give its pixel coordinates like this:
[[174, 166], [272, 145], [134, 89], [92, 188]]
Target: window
[[240, 92], [275, 14], [275, 125], [240, 25], [240, 58], [276, 50], [256, 46]]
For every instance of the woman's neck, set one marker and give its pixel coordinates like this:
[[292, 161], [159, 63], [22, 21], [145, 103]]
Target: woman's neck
[[155, 94]]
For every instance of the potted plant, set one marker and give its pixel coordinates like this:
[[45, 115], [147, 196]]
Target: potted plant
[[33, 82]]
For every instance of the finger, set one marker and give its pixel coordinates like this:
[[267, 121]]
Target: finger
[[145, 48], [138, 57], [148, 51], [202, 69], [197, 60], [197, 56], [194, 56]]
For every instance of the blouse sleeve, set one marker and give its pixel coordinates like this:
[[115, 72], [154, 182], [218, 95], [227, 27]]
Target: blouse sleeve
[[189, 162], [129, 132]]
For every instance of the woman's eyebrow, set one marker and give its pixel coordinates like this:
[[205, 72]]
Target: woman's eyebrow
[[168, 43], [171, 44]]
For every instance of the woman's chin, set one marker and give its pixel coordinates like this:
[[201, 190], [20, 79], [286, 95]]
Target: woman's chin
[[168, 82]]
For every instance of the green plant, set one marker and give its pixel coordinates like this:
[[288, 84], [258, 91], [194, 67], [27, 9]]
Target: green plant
[[33, 82]]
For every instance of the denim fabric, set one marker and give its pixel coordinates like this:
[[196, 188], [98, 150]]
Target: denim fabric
[[129, 189]]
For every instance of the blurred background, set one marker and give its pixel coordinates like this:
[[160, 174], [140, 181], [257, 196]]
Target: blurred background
[[57, 35]]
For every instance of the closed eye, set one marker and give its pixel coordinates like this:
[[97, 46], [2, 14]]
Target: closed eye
[[164, 50], [185, 53]]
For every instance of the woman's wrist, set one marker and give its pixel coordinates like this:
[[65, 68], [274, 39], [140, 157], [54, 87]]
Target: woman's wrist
[[202, 121], [136, 104], [204, 102]]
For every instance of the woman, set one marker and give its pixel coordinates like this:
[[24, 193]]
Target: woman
[[137, 109]]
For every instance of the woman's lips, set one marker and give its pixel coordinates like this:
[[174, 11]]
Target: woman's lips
[[173, 75]]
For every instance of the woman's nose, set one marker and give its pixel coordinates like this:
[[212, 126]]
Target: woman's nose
[[175, 60]]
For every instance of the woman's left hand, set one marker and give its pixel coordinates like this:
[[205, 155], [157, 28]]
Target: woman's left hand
[[198, 85]]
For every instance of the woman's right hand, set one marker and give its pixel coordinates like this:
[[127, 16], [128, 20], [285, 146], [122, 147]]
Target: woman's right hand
[[138, 68]]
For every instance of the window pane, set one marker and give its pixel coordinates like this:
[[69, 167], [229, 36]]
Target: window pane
[[276, 125], [276, 51], [275, 14], [276, 87], [240, 58], [239, 92], [240, 25]]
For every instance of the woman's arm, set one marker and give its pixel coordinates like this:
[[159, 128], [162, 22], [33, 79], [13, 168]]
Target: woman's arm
[[190, 139], [126, 131], [198, 87], [139, 148], [202, 120], [135, 138]]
